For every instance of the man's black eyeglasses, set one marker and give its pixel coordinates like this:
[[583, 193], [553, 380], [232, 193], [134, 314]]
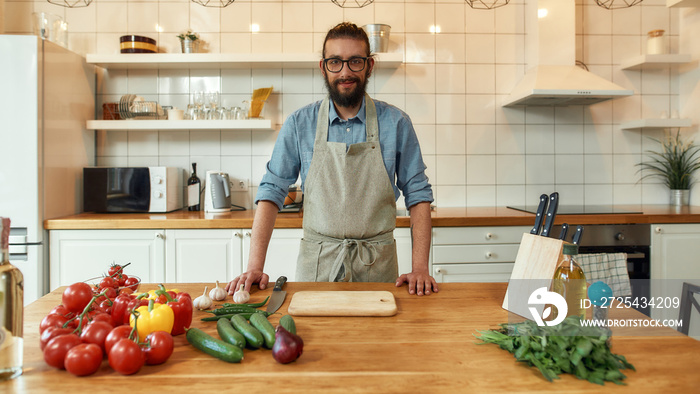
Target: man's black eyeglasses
[[335, 64]]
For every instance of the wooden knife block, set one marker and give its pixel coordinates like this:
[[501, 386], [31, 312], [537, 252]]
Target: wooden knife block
[[537, 258]]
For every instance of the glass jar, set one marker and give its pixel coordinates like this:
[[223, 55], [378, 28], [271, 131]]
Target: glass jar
[[656, 42]]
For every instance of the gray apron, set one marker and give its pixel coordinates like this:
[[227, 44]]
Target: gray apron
[[349, 210]]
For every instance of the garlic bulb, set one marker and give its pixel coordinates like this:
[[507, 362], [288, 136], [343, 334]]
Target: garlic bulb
[[204, 301], [241, 296], [217, 293]]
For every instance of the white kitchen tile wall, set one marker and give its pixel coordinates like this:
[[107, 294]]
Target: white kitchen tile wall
[[451, 84]]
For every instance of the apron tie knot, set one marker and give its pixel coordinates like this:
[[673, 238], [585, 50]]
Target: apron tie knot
[[341, 270]]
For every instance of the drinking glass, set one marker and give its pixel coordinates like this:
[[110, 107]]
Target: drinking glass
[[198, 99]]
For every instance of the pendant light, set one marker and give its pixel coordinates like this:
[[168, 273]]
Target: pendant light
[[611, 4], [71, 3], [486, 4], [214, 3], [352, 3]]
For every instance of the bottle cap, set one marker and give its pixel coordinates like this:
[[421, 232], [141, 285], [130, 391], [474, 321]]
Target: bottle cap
[[570, 249]]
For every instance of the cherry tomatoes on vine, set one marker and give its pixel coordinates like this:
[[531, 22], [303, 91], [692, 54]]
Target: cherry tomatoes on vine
[[117, 333], [159, 347], [55, 351], [126, 357], [84, 359], [76, 296]]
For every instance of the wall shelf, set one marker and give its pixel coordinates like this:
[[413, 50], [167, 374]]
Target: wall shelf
[[221, 60], [650, 62], [136, 124], [656, 123]]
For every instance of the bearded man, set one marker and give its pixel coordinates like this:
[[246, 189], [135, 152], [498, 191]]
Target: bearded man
[[354, 155]]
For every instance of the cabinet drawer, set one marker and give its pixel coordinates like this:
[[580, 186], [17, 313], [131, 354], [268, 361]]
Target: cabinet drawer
[[449, 254], [450, 273], [478, 235]]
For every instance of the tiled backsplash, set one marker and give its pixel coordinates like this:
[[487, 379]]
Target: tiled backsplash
[[451, 84]]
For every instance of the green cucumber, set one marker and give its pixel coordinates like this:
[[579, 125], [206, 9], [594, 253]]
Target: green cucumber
[[229, 334], [214, 347], [253, 337], [259, 321], [287, 322]]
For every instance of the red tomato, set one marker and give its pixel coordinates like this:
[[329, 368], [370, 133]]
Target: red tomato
[[121, 279], [77, 296], [113, 269], [159, 347], [50, 333], [126, 290], [52, 320], [108, 283], [110, 292], [84, 359], [56, 349], [103, 317], [115, 335], [96, 332], [126, 357], [61, 310], [132, 283]]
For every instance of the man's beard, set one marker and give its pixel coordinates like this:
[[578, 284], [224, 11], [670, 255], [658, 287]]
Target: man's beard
[[350, 99]]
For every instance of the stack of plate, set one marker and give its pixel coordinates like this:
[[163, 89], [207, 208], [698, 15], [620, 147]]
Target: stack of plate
[[132, 106], [125, 105]]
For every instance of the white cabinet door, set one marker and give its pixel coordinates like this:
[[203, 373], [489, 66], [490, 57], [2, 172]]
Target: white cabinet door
[[282, 252], [472, 272], [404, 249], [675, 258], [78, 255], [202, 255]]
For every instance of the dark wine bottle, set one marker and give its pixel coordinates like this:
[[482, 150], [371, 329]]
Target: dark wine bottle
[[194, 190]]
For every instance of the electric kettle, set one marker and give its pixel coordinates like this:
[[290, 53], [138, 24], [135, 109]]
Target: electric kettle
[[217, 197]]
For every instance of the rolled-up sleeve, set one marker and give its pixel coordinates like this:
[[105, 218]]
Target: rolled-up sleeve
[[283, 168], [410, 167]]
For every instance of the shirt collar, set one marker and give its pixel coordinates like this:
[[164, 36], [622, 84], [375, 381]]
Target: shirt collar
[[333, 115]]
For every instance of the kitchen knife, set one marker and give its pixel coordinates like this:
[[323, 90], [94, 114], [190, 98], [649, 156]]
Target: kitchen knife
[[564, 230], [540, 214], [577, 236], [277, 298], [551, 214]]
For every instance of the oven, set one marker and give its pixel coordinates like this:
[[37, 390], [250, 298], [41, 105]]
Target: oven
[[632, 239]]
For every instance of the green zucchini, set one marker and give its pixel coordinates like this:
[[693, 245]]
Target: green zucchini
[[259, 321], [229, 334], [253, 337], [214, 347], [287, 321]]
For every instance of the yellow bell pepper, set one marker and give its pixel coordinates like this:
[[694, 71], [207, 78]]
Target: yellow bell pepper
[[153, 296], [154, 317]]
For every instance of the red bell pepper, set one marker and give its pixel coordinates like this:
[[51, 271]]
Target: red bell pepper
[[140, 300], [181, 304]]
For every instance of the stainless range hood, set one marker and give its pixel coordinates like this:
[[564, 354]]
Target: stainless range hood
[[555, 80]]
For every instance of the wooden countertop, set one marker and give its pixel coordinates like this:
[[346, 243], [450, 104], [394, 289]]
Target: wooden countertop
[[441, 217], [429, 346]]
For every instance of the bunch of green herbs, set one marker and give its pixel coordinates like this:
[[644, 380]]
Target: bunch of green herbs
[[675, 164], [565, 348]]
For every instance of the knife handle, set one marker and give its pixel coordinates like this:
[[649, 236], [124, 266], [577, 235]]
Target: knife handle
[[539, 215], [551, 213], [577, 236], [279, 283], [564, 230]]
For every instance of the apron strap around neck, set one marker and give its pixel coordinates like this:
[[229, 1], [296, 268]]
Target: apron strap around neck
[[371, 125]]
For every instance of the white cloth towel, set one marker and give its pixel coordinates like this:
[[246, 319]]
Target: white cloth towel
[[611, 268]]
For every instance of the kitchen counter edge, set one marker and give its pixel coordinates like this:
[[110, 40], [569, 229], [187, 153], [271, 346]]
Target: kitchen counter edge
[[441, 217]]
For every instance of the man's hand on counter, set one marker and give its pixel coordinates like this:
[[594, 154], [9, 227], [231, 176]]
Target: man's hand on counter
[[419, 283], [248, 279]]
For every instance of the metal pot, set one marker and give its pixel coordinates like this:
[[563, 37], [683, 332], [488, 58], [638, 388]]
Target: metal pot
[[189, 46], [680, 197]]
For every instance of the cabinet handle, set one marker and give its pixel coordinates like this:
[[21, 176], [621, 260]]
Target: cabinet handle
[[247, 234], [658, 230], [488, 255], [488, 236], [237, 234], [439, 271], [160, 236]]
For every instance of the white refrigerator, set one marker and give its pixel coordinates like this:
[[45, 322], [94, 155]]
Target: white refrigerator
[[47, 94]]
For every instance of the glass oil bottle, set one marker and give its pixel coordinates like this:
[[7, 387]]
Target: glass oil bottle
[[570, 282], [11, 309]]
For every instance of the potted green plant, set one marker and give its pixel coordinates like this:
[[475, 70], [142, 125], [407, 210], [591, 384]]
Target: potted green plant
[[189, 41], [675, 165]]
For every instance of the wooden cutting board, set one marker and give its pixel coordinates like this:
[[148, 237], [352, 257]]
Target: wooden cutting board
[[342, 303]]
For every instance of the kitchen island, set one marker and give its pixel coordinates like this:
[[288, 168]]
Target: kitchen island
[[428, 346]]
